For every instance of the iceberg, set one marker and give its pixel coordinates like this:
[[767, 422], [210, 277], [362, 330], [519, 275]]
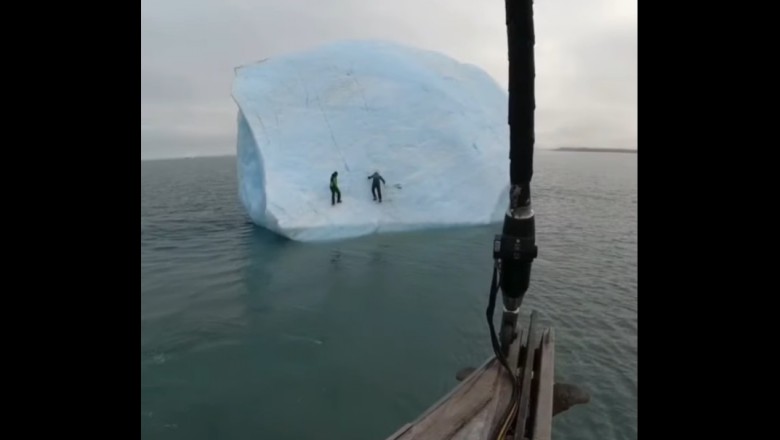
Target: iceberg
[[435, 129]]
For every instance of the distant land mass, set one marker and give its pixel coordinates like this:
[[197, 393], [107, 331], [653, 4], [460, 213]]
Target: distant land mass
[[596, 150]]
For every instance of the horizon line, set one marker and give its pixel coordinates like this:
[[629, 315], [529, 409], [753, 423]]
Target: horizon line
[[215, 155]]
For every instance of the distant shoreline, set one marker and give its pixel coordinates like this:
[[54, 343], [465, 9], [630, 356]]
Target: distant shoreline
[[595, 150], [205, 156]]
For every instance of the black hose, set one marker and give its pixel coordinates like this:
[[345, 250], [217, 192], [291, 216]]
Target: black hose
[[522, 75]]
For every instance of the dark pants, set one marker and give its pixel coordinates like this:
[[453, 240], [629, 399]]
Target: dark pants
[[335, 195], [376, 192]]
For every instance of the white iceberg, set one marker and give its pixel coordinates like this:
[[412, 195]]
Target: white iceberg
[[435, 129]]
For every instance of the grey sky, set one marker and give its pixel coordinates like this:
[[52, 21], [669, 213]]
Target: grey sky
[[586, 60]]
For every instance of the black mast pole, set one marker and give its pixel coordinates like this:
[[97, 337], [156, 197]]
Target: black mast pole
[[515, 249]]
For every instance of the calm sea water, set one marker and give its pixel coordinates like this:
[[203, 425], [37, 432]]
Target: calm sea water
[[248, 336]]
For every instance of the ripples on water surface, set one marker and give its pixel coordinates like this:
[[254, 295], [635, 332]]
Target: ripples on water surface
[[248, 336]]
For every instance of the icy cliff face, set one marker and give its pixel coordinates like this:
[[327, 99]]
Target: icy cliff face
[[434, 128]]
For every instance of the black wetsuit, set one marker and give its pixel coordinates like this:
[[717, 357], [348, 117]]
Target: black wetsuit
[[335, 194], [376, 191]]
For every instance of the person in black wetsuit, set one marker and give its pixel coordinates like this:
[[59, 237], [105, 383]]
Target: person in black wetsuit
[[335, 194], [376, 191]]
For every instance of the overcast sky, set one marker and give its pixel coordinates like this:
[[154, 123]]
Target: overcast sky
[[586, 60]]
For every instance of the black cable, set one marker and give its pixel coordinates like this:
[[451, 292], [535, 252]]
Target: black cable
[[499, 353], [490, 311]]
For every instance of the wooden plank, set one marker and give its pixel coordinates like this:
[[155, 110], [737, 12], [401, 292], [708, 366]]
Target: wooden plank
[[402, 430], [504, 391], [485, 368], [456, 409], [544, 397], [524, 400], [472, 409], [474, 430]]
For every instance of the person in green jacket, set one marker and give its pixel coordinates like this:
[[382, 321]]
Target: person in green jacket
[[335, 194]]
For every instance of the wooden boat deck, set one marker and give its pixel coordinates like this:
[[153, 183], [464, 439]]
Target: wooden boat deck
[[475, 406]]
